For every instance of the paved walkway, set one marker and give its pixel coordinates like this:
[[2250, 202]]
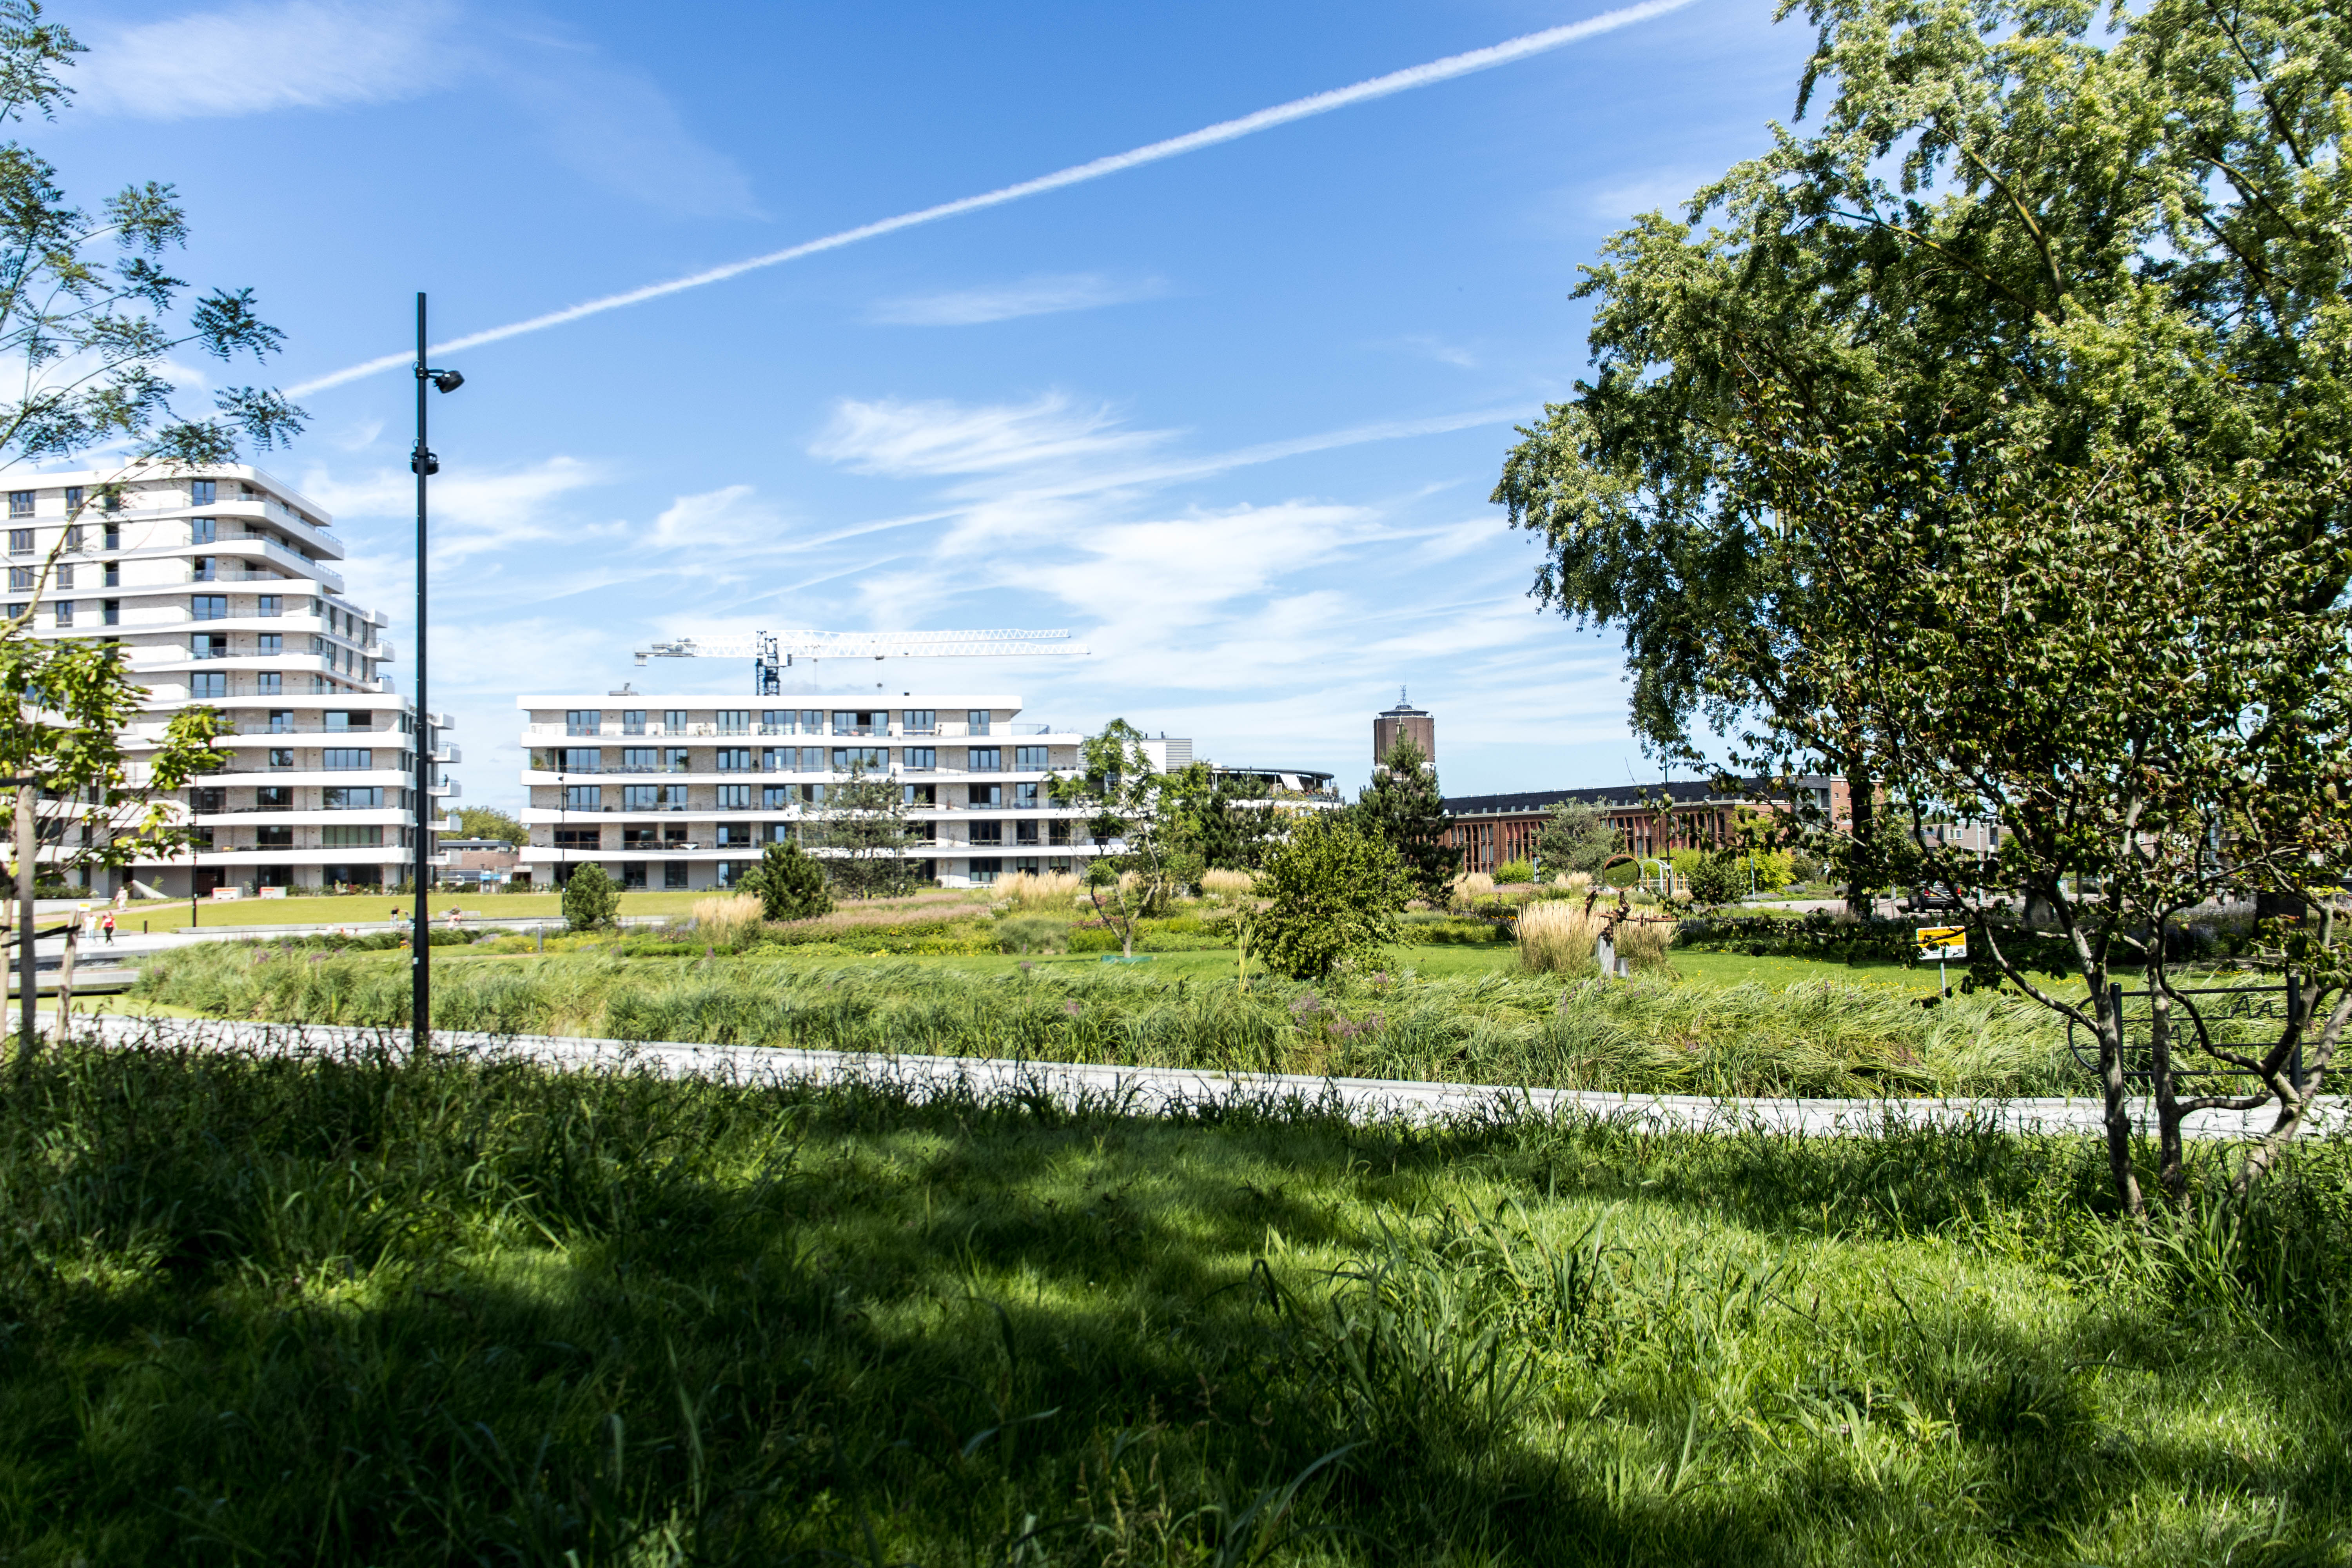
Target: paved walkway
[[1152, 1090]]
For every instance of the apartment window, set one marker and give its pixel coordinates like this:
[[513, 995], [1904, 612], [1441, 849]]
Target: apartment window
[[580, 759], [861, 722], [21, 579], [632, 874], [779, 832], [674, 720], [274, 798], [208, 606], [210, 801], [212, 644], [351, 797], [640, 837], [112, 538], [282, 721], [20, 542], [734, 720], [579, 838], [583, 797], [1029, 758], [984, 871], [988, 833], [203, 530], [112, 578], [109, 612], [777, 721], [735, 835], [1025, 832], [269, 683], [1025, 795], [267, 837], [987, 759], [1058, 832], [870, 757], [1025, 863], [20, 503], [583, 721], [73, 536], [734, 797], [341, 836], [640, 797], [812, 721], [675, 874], [734, 758], [813, 794], [281, 756], [673, 798], [343, 759], [988, 795], [341, 718], [73, 499], [922, 720], [922, 759], [674, 760], [204, 569], [65, 574], [633, 722], [776, 797], [778, 759], [203, 492], [270, 606], [640, 758], [921, 794], [270, 644], [976, 721]]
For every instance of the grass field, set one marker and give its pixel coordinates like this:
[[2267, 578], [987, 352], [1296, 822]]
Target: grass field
[[270, 1311], [162, 916]]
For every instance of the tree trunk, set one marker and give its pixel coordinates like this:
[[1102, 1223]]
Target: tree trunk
[[66, 976], [28, 979], [1861, 798], [2109, 1002], [2171, 1174]]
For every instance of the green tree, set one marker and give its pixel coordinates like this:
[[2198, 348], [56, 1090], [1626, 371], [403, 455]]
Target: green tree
[[1575, 837], [1131, 812], [1218, 822], [2008, 240], [866, 835], [590, 899], [790, 885], [1405, 809], [1333, 892], [488, 822]]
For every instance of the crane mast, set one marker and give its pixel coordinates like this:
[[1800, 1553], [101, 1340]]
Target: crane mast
[[771, 653]]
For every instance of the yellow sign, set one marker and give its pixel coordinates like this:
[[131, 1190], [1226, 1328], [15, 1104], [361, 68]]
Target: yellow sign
[[1940, 943]]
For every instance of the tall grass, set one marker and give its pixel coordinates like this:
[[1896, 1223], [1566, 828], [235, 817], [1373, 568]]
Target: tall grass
[[727, 919], [369, 1310], [1052, 890], [1559, 936], [1825, 1039], [1220, 884]]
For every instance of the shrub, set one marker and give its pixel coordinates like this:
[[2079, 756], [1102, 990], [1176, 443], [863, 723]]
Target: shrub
[[1716, 880], [726, 920], [590, 899], [1515, 871], [1041, 890], [1032, 933], [1335, 894], [1470, 887], [789, 884]]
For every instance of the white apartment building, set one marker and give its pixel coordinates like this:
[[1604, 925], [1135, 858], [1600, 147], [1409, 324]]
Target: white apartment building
[[682, 792], [218, 586]]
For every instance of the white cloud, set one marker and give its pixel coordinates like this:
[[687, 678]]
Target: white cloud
[[899, 438], [254, 58], [1662, 190], [1046, 294], [472, 512], [729, 517], [620, 131]]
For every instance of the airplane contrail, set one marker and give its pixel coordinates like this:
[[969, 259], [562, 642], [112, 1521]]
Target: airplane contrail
[[1404, 80]]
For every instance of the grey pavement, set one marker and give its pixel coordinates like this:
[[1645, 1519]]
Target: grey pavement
[[1148, 1091]]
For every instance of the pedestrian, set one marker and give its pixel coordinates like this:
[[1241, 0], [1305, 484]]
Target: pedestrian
[[106, 927]]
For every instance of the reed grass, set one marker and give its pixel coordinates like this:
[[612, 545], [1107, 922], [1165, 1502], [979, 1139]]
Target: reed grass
[[1559, 936], [727, 919], [371, 1310], [1053, 890], [1223, 884]]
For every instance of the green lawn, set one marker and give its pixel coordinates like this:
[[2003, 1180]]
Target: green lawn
[[161, 916], [302, 1312]]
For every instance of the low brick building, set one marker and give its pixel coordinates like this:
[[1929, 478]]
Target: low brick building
[[476, 862], [1491, 829]]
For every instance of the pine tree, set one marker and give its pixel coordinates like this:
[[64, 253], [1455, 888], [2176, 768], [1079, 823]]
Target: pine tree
[[789, 885], [1403, 808]]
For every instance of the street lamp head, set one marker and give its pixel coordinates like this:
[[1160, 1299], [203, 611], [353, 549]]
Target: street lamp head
[[447, 380]]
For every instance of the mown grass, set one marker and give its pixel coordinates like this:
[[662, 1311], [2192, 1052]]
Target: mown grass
[[1493, 1027], [273, 1311]]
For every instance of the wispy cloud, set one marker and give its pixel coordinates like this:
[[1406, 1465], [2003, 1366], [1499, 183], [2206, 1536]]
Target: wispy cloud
[[255, 58], [1048, 295], [1051, 432]]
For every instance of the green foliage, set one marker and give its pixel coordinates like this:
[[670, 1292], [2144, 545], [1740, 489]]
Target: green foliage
[[618, 1317], [1717, 877], [488, 822], [867, 836], [1405, 809], [790, 885], [1218, 824], [1515, 871], [1576, 837], [1333, 894], [1141, 816], [590, 899]]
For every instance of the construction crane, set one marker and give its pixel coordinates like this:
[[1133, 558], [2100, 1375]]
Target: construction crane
[[771, 652]]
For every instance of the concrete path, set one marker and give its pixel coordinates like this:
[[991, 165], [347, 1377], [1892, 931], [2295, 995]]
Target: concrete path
[[1151, 1089]]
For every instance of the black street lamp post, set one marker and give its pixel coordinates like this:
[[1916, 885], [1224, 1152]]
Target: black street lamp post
[[422, 463]]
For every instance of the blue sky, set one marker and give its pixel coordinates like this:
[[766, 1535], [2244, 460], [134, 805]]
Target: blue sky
[[1232, 417]]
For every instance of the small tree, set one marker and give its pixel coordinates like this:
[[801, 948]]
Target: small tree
[[1130, 812], [1403, 806], [590, 899], [1334, 891], [789, 884], [1218, 822], [1575, 838], [865, 826], [1716, 877], [488, 822]]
